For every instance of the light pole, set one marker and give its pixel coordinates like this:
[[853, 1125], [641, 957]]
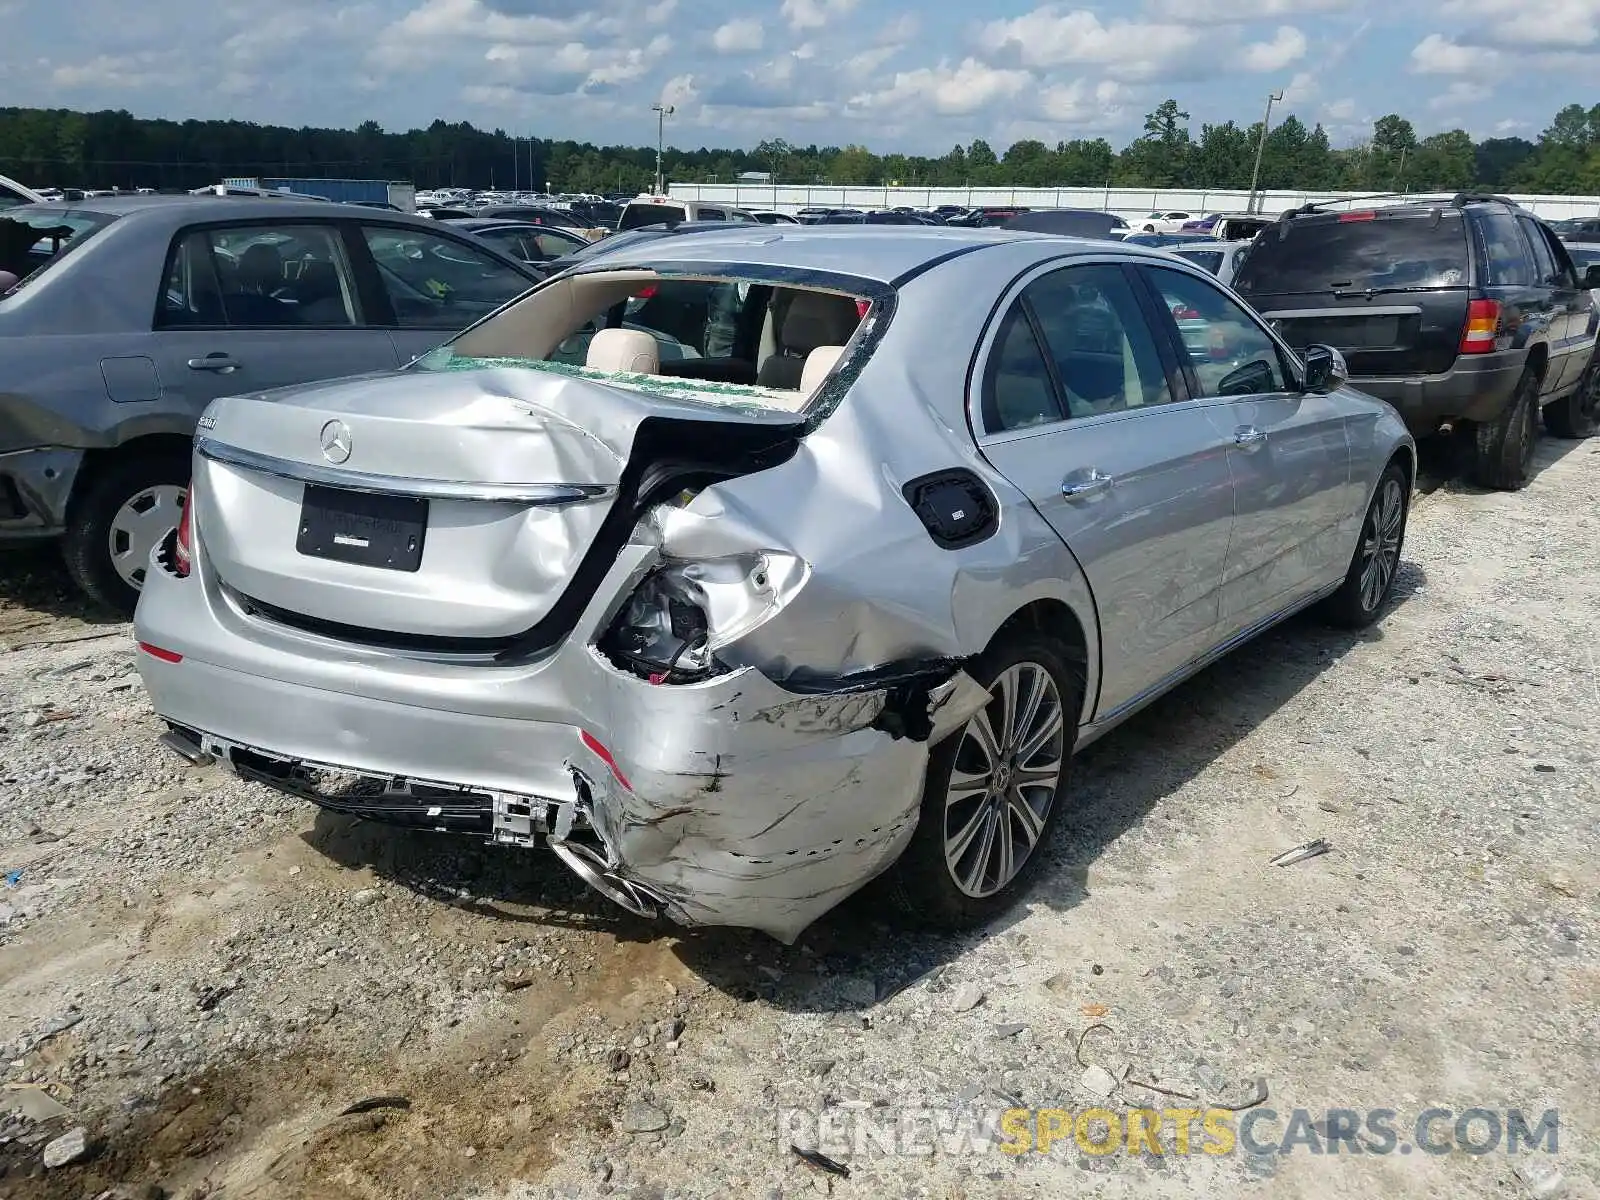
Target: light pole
[[662, 111], [1261, 145]]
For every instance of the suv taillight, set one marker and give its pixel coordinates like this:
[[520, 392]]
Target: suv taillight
[[1483, 325], [181, 552]]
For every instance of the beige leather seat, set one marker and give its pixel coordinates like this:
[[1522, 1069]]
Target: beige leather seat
[[814, 319], [818, 363], [623, 350]]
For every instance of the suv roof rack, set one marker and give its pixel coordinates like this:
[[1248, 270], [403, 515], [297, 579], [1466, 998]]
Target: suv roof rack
[[1462, 199]]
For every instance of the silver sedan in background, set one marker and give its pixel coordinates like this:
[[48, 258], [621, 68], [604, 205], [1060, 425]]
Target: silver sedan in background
[[835, 589], [135, 312]]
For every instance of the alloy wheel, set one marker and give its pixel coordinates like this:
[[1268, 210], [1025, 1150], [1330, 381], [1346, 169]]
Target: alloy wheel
[[1380, 543], [139, 527], [1007, 770]]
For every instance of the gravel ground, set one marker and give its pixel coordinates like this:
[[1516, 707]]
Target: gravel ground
[[202, 976]]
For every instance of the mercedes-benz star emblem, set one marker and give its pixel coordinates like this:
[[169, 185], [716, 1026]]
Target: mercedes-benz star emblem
[[336, 441]]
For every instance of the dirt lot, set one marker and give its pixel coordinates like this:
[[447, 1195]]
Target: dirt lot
[[203, 975]]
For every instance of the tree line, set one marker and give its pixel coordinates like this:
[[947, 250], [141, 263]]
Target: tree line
[[64, 148]]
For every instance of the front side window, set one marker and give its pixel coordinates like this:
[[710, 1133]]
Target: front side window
[[1229, 353], [266, 276], [1095, 336], [436, 282]]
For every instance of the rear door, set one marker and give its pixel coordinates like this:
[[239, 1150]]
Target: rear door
[[1529, 306], [1571, 306], [257, 305], [1288, 452], [434, 284], [1081, 407], [1388, 288]]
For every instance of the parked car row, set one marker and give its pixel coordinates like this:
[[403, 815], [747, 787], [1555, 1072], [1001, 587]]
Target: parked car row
[[549, 585]]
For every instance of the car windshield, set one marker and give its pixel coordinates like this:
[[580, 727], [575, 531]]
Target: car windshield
[[1211, 260], [1357, 251], [32, 240], [636, 215]]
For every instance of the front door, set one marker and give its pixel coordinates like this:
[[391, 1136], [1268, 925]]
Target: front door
[[262, 305], [1288, 451], [1078, 411]]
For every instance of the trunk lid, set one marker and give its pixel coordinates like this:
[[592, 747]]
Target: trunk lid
[[1388, 289], [450, 506]]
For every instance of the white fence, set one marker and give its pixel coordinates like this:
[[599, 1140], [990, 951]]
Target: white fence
[[1127, 202]]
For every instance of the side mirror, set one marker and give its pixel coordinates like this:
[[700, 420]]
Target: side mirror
[[1325, 370], [1591, 278]]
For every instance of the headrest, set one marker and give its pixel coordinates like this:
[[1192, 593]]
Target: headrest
[[629, 350], [818, 363], [818, 319]]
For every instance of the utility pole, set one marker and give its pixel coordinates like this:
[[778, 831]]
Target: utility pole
[[662, 111], [1261, 145]]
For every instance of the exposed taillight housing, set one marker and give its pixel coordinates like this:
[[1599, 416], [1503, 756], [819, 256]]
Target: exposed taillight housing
[[182, 550], [1483, 326]]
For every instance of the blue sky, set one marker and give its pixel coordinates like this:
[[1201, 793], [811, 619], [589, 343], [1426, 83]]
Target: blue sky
[[885, 73]]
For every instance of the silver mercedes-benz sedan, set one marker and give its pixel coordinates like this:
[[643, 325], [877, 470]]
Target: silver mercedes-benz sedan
[[739, 570]]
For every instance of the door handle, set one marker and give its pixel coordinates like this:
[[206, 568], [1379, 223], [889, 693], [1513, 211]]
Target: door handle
[[1086, 485], [1248, 437], [218, 361]]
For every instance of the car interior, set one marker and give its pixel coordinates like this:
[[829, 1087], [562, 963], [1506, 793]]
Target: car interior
[[775, 337], [273, 282]]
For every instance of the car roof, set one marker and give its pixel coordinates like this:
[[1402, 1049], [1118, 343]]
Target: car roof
[[883, 253], [178, 210]]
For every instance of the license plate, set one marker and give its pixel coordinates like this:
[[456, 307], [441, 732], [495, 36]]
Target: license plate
[[362, 528]]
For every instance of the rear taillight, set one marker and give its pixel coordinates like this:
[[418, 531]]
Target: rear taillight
[[1346, 218], [182, 555], [862, 308], [1483, 326]]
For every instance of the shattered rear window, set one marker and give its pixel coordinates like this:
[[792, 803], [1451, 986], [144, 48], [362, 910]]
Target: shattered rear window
[[31, 241], [737, 395]]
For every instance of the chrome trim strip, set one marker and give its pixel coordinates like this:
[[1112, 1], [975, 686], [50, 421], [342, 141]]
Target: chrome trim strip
[[398, 485]]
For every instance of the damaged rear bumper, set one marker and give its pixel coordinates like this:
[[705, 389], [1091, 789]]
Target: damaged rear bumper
[[731, 801]]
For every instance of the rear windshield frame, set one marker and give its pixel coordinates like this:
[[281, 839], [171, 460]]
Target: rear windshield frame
[[882, 297], [1321, 270], [97, 223]]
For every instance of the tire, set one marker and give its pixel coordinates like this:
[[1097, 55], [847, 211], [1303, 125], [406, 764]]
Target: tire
[[1369, 582], [1577, 415], [112, 523], [1503, 452], [921, 886]]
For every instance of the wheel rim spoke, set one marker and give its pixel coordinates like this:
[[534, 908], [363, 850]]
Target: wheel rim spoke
[[139, 526], [1003, 784]]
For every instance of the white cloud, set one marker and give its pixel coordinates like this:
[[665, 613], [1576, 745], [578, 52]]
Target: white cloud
[[814, 14], [1215, 11], [1438, 55], [961, 90], [147, 69], [1288, 45], [1079, 104], [1051, 37], [1458, 94], [680, 92], [739, 36], [1556, 24]]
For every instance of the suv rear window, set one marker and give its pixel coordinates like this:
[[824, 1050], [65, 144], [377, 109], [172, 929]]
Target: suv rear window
[[636, 215], [1354, 251]]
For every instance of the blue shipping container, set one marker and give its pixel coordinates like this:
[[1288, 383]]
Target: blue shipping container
[[346, 191]]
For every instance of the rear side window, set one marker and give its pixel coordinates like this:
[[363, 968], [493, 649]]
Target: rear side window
[[1018, 391], [712, 214], [1544, 263], [1505, 254], [636, 215], [259, 277], [1357, 251]]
